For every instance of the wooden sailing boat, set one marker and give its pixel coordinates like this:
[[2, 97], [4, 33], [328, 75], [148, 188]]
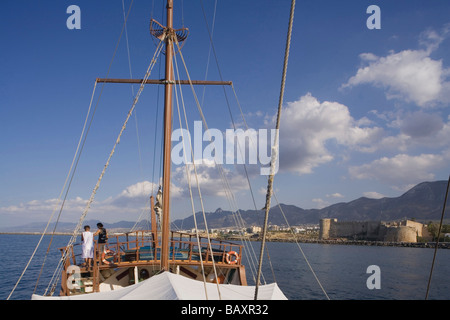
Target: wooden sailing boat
[[153, 264]]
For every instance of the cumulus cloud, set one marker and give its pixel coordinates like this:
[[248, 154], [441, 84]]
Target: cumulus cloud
[[140, 189], [410, 75], [431, 39], [212, 181], [401, 170], [37, 207], [308, 125], [420, 124], [131, 200], [416, 131], [412, 130], [41, 210]]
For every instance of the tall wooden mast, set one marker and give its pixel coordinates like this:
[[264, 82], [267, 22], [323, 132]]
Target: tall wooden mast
[[167, 138], [169, 35]]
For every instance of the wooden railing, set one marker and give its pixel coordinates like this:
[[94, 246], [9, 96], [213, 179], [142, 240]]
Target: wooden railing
[[140, 247]]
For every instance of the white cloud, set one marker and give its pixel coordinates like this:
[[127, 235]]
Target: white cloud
[[320, 203], [130, 202], [212, 181], [373, 195], [140, 189], [41, 210], [36, 207], [411, 131], [401, 170], [335, 195], [431, 39], [410, 75], [420, 124], [307, 125]]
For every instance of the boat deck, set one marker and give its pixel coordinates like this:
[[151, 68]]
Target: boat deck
[[139, 249]]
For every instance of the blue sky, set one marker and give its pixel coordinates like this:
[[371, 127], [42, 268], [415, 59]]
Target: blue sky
[[366, 112]]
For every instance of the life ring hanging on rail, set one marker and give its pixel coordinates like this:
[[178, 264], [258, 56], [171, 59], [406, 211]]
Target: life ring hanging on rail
[[229, 256], [110, 252]]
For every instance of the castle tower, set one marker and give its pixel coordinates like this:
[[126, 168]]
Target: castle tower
[[325, 227]]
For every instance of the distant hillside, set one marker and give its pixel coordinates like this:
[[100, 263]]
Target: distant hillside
[[68, 227], [423, 202]]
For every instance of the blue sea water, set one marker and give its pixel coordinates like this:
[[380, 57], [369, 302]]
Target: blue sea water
[[341, 269], [342, 272]]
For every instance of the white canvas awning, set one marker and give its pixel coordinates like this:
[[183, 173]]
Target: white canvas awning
[[170, 286]]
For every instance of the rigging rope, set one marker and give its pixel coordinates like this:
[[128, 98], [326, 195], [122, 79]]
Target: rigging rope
[[56, 206], [76, 164], [285, 219], [198, 186], [135, 116], [72, 166], [220, 168], [281, 210], [275, 148], [190, 188], [155, 139], [300, 248], [437, 240], [132, 86], [212, 47], [251, 142], [91, 199]]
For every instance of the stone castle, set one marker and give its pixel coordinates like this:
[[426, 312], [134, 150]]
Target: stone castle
[[395, 231]]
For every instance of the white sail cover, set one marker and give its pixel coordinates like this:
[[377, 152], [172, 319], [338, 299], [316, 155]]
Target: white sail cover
[[170, 286]]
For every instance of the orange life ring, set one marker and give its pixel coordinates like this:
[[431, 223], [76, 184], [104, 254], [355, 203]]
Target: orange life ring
[[110, 253], [229, 255]]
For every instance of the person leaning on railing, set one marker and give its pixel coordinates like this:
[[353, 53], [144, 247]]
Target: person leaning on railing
[[102, 239], [87, 238]]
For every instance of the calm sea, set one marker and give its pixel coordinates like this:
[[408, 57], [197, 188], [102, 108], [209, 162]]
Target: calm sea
[[341, 270]]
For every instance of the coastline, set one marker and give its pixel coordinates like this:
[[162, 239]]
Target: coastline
[[441, 245], [432, 245]]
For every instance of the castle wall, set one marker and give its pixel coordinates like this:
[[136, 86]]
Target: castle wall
[[417, 226], [401, 234], [404, 231], [355, 230]]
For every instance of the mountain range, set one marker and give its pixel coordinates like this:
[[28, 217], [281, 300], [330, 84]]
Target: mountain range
[[423, 203]]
